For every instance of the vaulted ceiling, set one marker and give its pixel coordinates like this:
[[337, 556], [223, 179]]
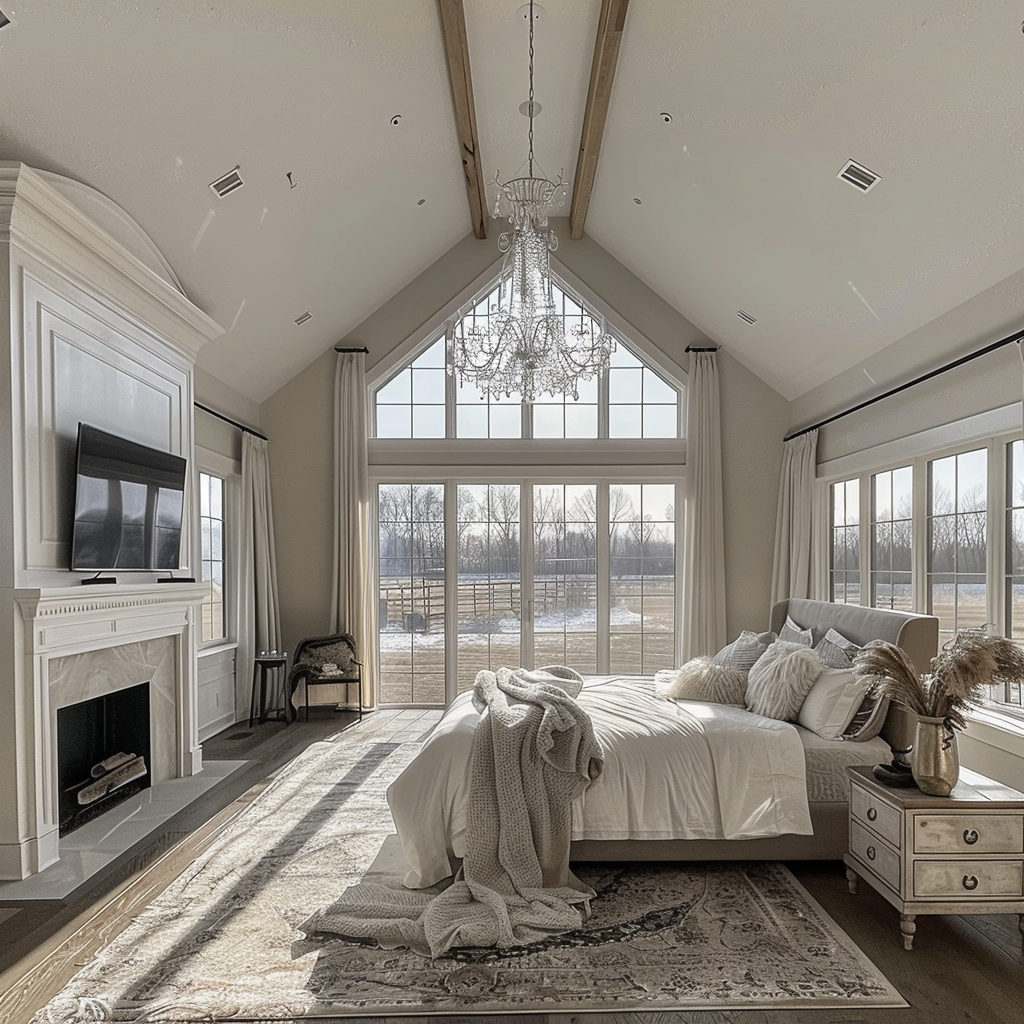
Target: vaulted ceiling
[[727, 125]]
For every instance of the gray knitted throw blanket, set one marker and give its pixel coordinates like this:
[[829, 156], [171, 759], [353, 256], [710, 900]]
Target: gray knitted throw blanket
[[534, 751]]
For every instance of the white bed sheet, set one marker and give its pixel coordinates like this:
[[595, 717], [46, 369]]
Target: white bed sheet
[[673, 770]]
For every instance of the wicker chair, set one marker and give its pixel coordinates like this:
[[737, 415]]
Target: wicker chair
[[322, 660]]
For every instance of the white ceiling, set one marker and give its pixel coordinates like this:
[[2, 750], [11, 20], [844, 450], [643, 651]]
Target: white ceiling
[[149, 102]]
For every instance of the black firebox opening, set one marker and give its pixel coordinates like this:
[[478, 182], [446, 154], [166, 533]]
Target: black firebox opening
[[103, 753]]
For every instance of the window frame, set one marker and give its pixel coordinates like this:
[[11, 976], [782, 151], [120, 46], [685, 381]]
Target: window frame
[[918, 452], [527, 460], [229, 471]]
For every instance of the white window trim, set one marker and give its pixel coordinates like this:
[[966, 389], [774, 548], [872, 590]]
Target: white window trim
[[429, 332], [230, 471], [992, 430]]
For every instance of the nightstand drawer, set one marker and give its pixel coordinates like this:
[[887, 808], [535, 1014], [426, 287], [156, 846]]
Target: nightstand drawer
[[882, 818], [882, 860], [968, 833], [968, 879]]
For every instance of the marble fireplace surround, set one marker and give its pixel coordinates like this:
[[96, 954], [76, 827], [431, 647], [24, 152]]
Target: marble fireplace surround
[[83, 642]]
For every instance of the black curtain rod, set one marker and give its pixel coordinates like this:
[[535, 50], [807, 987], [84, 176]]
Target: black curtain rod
[[361, 348], [694, 348], [1009, 340], [228, 419]]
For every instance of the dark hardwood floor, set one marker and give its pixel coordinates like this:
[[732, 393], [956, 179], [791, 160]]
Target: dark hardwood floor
[[962, 969]]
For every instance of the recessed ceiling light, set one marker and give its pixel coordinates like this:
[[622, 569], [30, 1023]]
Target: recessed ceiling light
[[638, 201], [420, 202], [300, 320], [859, 176], [746, 317], [666, 117], [227, 183], [396, 120]]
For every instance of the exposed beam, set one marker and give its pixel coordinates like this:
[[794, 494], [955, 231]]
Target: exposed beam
[[602, 73], [456, 47]]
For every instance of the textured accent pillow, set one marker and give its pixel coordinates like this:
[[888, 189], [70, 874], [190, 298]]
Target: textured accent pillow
[[868, 720], [781, 679], [702, 679], [744, 651], [832, 702], [794, 634], [835, 650]]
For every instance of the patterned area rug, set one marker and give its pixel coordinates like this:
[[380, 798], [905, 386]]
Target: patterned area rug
[[221, 943]]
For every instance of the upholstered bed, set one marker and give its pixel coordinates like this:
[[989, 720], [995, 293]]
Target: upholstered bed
[[685, 770]]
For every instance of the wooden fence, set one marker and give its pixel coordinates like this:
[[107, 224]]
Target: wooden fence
[[418, 605]]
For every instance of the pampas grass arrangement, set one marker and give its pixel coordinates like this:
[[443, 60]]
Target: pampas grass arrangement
[[959, 674]]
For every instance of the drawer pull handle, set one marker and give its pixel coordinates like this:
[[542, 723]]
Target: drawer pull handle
[[971, 836], [871, 853], [970, 882], [872, 814]]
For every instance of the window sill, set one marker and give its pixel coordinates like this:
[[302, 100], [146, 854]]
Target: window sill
[[998, 728], [218, 648]]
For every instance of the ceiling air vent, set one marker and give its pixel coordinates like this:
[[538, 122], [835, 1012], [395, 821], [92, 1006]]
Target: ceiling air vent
[[300, 320], [859, 176], [227, 182], [746, 317]]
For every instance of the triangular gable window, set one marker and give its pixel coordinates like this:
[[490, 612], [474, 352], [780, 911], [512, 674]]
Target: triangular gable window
[[633, 399]]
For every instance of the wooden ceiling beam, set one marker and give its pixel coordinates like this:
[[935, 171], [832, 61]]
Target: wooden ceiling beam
[[602, 73], [456, 47]]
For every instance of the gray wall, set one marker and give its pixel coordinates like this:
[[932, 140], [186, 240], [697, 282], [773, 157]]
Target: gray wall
[[298, 420], [989, 382]]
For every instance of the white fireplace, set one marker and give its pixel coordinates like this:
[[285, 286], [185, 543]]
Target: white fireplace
[[81, 642]]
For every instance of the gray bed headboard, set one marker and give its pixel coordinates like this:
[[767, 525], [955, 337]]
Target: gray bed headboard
[[917, 635]]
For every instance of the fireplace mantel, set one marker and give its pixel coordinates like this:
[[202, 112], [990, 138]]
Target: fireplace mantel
[[60, 623]]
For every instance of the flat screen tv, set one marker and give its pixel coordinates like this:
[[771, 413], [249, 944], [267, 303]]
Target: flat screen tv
[[128, 504]]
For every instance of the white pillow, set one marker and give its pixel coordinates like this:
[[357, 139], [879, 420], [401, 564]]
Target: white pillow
[[796, 634], [702, 679], [781, 679], [832, 702]]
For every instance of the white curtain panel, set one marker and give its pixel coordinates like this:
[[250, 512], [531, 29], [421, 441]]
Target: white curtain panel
[[792, 572], [704, 547], [261, 617], [354, 604]]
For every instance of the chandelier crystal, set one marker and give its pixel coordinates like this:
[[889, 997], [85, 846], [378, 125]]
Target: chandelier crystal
[[522, 349]]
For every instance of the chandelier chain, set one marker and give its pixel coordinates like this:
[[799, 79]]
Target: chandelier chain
[[520, 347], [531, 89]]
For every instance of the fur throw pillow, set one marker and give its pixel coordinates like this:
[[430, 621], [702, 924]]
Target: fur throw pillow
[[702, 679], [781, 679]]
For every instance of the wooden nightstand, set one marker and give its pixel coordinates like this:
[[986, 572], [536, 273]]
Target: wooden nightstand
[[960, 854]]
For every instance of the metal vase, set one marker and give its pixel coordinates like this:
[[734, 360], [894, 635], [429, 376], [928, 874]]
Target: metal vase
[[935, 760]]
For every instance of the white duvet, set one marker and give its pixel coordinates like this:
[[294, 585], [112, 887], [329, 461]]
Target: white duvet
[[672, 770]]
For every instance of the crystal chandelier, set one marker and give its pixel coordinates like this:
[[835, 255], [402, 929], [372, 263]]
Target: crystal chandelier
[[523, 348]]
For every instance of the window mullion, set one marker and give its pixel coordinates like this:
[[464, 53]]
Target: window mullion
[[603, 580], [920, 541], [995, 554], [526, 570], [451, 591], [866, 539]]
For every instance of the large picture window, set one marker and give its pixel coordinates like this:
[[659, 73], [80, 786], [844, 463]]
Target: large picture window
[[530, 535], [945, 537]]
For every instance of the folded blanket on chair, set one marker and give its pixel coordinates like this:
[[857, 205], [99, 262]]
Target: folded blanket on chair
[[534, 751]]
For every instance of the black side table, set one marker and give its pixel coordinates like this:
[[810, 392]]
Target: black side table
[[263, 665]]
